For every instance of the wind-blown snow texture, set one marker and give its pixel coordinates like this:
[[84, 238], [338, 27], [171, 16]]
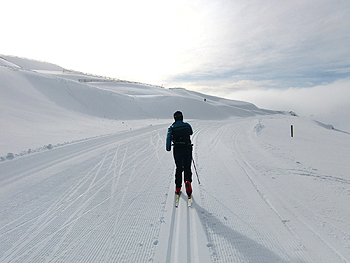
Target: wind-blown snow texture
[[85, 177]]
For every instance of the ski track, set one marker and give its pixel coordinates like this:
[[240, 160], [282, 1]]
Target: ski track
[[256, 224], [103, 215], [91, 202], [182, 236]]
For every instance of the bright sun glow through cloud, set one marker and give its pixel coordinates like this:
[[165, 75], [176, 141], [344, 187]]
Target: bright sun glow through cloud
[[269, 52]]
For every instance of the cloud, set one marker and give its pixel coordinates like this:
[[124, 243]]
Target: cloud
[[289, 42], [329, 103], [294, 43]]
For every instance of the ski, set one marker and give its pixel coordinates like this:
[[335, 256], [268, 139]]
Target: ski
[[189, 202], [177, 199]]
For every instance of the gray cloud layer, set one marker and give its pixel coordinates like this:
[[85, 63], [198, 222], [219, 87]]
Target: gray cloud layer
[[283, 43]]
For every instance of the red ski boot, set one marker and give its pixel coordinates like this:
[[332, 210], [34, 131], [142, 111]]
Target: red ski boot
[[188, 189]]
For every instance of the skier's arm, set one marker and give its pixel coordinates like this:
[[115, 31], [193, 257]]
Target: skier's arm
[[168, 139]]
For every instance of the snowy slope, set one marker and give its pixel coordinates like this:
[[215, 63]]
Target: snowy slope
[[263, 197], [48, 101]]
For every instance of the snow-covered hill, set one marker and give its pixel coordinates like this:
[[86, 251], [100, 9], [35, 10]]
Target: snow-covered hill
[[43, 103], [102, 188]]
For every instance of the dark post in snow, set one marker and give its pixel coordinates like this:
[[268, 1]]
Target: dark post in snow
[[291, 131]]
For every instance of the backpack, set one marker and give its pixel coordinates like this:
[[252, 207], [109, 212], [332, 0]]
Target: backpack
[[181, 135]]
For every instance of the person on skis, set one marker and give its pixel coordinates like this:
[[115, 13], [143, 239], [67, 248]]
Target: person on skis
[[178, 135]]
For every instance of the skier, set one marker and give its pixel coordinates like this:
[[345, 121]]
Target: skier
[[179, 136]]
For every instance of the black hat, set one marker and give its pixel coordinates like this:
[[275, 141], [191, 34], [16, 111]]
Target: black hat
[[178, 116]]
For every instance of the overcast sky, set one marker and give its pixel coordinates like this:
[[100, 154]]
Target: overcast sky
[[262, 51]]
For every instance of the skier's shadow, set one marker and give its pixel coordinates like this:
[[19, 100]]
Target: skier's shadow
[[248, 248]]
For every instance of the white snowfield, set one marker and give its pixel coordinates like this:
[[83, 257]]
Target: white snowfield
[[103, 191]]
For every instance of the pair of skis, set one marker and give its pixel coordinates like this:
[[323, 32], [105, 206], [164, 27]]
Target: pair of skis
[[177, 200]]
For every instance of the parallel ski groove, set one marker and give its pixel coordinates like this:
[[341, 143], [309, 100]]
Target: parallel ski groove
[[182, 233], [91, 201], [189, 255], [95, 209]]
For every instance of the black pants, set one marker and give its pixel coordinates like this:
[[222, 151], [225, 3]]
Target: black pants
[[183, 158]]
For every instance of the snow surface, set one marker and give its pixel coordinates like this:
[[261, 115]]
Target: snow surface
[[84, 175]]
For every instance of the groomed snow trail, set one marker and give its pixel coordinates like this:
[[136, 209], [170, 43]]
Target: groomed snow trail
[[111, 199], [182, 237], [101, 200], [248, 215]]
